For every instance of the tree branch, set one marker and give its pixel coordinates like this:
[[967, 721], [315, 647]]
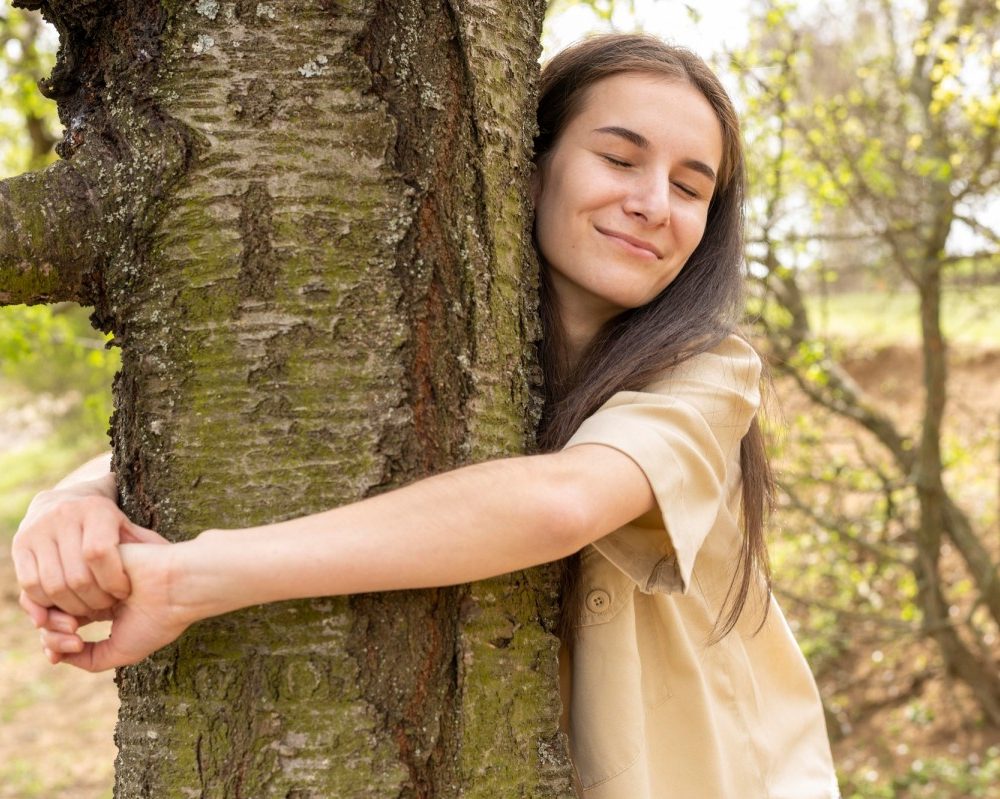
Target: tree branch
[[979, 227], [837, 527], [48, 247]]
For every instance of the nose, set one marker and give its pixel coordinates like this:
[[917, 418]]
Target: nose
[[649, 200]]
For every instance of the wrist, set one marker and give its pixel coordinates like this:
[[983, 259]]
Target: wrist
[[50, 498], [199, 584]]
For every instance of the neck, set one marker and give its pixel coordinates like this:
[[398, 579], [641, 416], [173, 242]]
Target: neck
[[580, 317]]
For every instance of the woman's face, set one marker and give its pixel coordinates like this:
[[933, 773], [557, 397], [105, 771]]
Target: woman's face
[[622, 198]]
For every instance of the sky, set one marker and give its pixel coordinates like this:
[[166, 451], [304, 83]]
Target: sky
[[722, 25]]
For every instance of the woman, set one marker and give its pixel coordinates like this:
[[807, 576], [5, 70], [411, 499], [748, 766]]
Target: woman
[[679, 673]]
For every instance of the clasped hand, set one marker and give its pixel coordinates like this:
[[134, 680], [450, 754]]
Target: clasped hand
[[79, 559]]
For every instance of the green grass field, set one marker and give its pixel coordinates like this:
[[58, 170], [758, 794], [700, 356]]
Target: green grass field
[[970, 317]]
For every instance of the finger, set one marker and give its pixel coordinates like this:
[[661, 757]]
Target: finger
[[61, 643], [38, 614], [53, 658], [105, 614], [98, 656], [99, 548], [79, 578], [53, 580], [58, 621], [26, 569], [133, 533]]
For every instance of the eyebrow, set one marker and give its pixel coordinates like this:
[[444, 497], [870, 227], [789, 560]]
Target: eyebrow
[[642, 143]]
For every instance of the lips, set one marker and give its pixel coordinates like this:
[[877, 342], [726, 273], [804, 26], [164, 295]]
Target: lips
[[631, 240]]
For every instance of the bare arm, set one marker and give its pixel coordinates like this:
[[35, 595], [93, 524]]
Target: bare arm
[[464, 525], [476, 522]]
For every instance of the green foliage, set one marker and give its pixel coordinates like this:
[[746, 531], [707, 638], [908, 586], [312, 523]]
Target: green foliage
[[28, 120], [932, 778], [25, 472], [54, 350]]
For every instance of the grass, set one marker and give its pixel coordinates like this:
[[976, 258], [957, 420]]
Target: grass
[[880, 318]]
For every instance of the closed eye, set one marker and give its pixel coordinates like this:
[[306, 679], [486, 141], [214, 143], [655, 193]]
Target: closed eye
[[686, 190], [615, 161]]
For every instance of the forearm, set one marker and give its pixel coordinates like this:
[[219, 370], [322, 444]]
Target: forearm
[[96, 470], [465, 525]]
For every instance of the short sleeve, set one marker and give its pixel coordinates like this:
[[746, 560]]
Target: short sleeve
[[684, 432]]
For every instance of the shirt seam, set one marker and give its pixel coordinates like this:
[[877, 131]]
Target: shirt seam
[[618, 773]]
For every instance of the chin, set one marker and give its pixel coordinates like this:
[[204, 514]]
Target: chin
[[627, 301]]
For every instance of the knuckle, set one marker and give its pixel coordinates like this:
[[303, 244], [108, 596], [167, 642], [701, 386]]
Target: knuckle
[[97, 549], [51, 585], [62, 512], [102, 601], [78, 581]]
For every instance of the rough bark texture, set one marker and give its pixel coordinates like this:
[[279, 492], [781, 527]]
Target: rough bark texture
[[45, 255], [314, 255]]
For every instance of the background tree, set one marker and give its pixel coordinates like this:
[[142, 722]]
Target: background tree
[[29, 135], [305, 225], [875, 143]]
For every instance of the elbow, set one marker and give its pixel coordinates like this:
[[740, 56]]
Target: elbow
[[570, 519]]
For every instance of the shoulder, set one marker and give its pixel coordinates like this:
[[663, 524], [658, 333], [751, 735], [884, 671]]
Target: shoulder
[[714, 394], [732, 365]]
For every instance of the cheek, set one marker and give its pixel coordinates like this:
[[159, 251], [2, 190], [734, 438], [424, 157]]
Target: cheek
[[690, 226], [552, 224], [547, 234]]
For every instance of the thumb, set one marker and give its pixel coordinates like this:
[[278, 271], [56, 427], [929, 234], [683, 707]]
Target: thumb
[[98, 656], [137, 534]]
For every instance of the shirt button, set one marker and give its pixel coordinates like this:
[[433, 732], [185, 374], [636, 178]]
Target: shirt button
[[598, 601]]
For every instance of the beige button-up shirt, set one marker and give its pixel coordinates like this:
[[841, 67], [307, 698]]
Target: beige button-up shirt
[[655, 712]]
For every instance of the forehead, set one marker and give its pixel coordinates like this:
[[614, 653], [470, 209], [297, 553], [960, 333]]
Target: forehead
[[668, 112]]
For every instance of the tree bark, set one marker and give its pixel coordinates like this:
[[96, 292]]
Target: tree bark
[[46, 251], [323, 290]]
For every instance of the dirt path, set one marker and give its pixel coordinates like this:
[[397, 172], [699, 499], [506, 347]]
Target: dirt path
[[56, 723]]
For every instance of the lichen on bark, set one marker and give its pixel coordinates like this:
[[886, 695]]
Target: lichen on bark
[[313, 248]]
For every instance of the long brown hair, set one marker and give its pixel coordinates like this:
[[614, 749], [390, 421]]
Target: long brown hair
[[701, 306]]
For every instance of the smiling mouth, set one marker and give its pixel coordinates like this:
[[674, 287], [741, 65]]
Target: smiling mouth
[[630, 242]]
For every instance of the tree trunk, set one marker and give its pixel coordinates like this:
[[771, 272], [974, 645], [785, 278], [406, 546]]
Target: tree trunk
[[314, 253]]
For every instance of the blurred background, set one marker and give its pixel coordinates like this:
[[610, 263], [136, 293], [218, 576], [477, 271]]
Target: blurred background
[[872, 130]]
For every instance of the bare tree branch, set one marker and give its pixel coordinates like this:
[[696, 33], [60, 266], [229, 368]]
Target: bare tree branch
[[982, 255], [837, 527], [979, 227], [899, 628], [48, 247]]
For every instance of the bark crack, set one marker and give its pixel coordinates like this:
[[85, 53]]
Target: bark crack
[[258, 266]]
